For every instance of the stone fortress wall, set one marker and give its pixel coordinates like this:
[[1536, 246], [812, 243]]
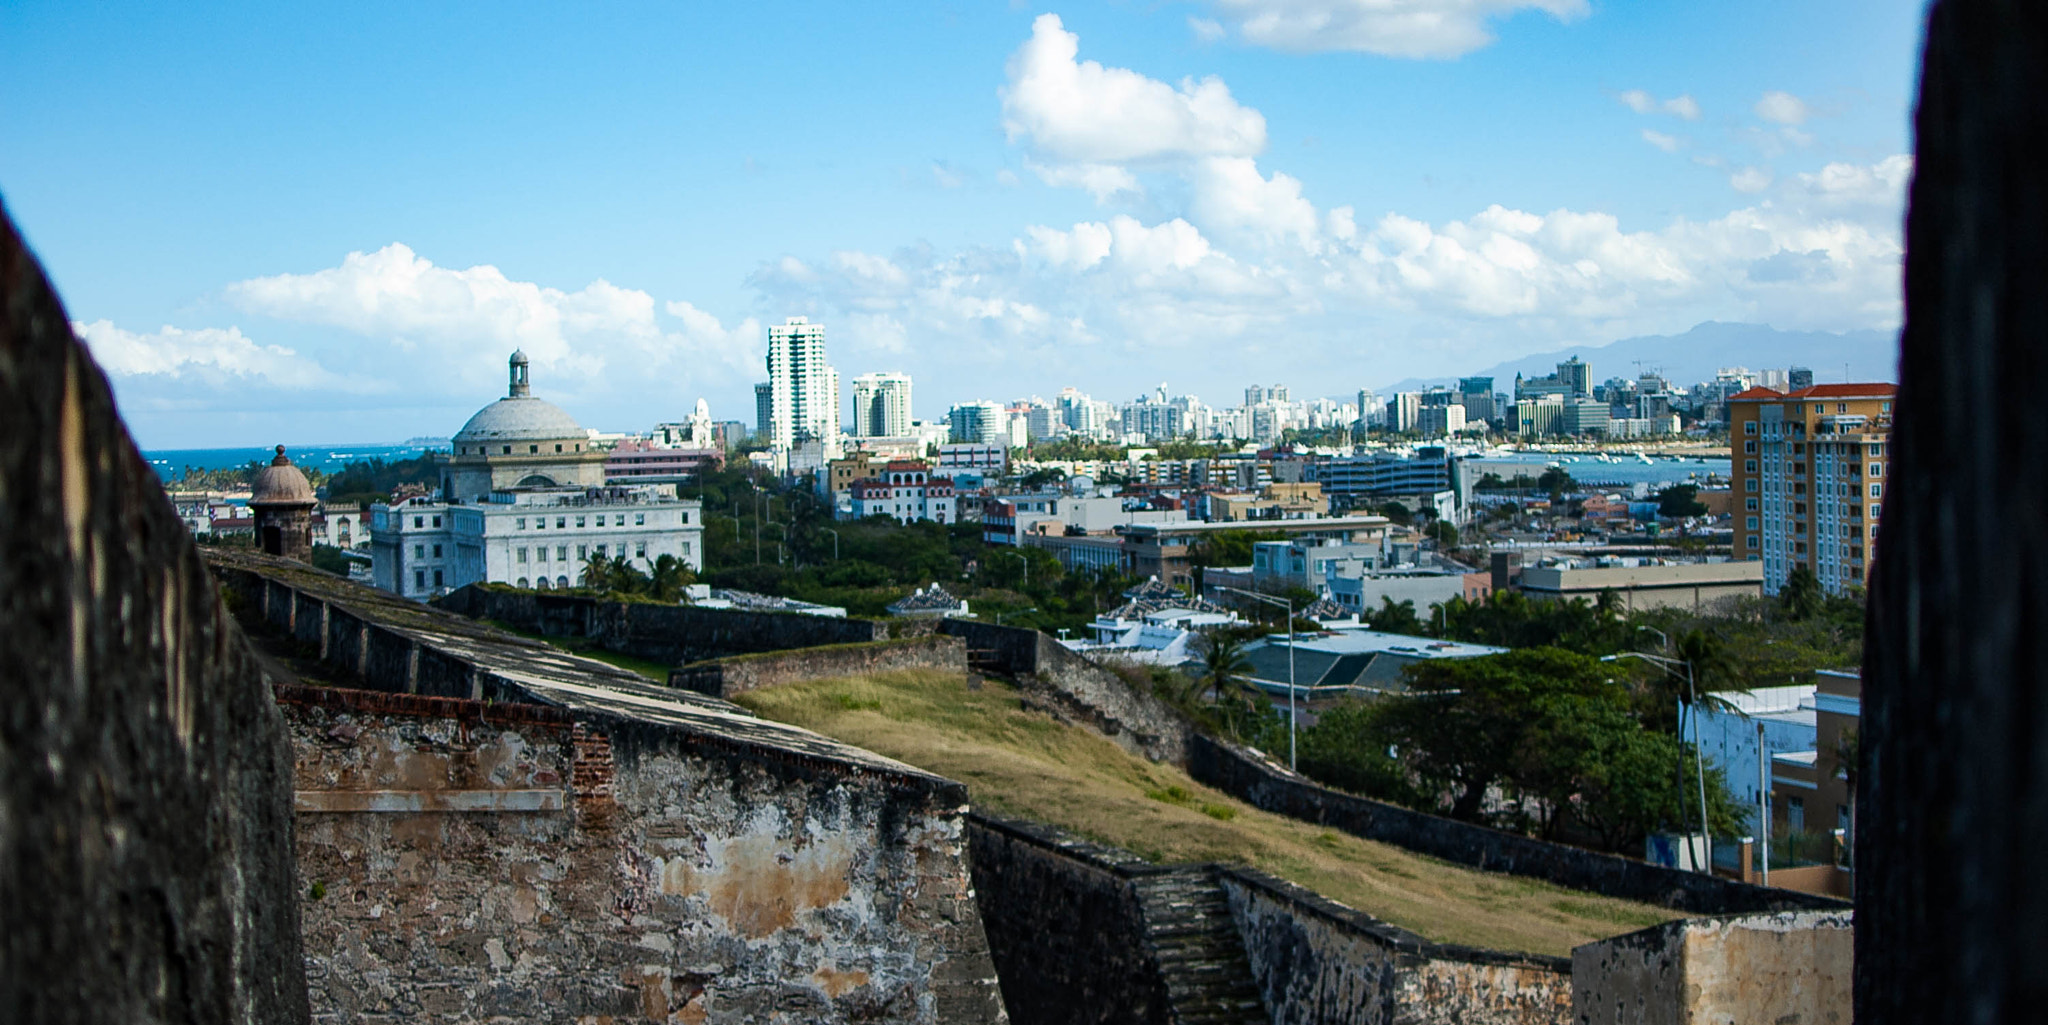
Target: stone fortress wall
[[145, 783], [488, 825]]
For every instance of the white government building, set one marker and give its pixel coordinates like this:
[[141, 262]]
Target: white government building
[[524, 502]]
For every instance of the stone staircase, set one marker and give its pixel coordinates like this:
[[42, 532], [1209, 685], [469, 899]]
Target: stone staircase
[[1200, 953]]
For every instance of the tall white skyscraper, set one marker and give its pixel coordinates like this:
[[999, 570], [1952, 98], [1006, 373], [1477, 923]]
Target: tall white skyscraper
[[881, 405], [803, 388]]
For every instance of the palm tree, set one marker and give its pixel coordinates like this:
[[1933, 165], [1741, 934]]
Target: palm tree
[[670, 576], [1223, 661]]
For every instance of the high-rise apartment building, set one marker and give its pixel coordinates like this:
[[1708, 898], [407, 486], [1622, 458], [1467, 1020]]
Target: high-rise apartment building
[[1809, 471], [881, 405], [804, 389], [1440, 421], [983, 423], [1368, 408], [1404, 411], [1476, 395], [764, 409], [1576, 375]]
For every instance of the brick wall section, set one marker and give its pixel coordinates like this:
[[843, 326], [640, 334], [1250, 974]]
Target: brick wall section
[[145, 782], [1077, 688], [673, 887], [1241, 774], [1774, 967], [723, 678], [675, 634], [1320, 962]]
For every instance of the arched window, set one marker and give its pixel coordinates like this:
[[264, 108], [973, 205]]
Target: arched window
[[543, 583], [562, 583], [523, 584]]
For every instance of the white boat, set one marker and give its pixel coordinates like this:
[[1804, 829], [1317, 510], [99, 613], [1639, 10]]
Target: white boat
[[1645, 460]]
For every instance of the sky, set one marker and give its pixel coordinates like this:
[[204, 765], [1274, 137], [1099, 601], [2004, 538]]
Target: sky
[[333, 223]]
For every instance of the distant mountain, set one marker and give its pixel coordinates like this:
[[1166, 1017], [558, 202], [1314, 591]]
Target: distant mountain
[[1697, 354]]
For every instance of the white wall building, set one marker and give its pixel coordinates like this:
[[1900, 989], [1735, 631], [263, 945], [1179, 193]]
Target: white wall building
[[905, 491], [881, 405], [803, 387], [540, 538]]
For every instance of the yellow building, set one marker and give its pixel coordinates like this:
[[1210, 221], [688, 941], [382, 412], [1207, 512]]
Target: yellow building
[[1808, 469]]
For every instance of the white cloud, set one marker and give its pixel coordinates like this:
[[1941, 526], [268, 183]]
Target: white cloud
[[1233, 198], [1782, 108], [1683, 105], [455, 326], [1103, 181], [1207, 30], [223, 356], [1007, 178], [946, 177], [1882, 183], [1436, 29], [1751, 179], [1664, 142], [1082, 112]]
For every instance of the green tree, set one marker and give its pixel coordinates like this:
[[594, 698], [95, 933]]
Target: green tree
[[1348, 749], [1396, 618], [1800, 597], [1680, 500], [1444, 532], [1557, 481]]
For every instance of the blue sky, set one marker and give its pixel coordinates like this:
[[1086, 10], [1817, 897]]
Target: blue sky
[[278, 222]]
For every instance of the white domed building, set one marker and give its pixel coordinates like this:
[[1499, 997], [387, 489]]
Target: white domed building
[[523, 501], [520, 441]]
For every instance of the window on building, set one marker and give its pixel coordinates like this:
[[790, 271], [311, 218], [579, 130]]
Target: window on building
[[437, 551], [583, 552], [1795, 814], [561, 553], [1749, 523], [1749, 447], [419, 521], [1749, 485], [600, 519], [1752, 543], [521, 524], [1877, 469], [579, 523], [1749, 466], [1841, 407], [541, 553], [561, 523], [1877, 491], [419, 551], [1749, 504], [640, 550], [533, 449], [1749, 427], [419, 580], [563, 582], [437, 521], [639, 519], [437, 578], [558, 448], [519, 555], [508, 450], [522, 583]]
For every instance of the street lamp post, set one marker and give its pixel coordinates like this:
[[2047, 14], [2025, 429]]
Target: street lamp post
[[835, 542], [1027, 566], [1692, 696], [1292, 718]]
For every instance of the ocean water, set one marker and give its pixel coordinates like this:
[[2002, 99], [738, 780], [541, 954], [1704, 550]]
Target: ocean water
[[1619, 471], [170, 463]]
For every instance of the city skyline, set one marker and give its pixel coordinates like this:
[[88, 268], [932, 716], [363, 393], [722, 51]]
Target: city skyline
[[1085, 195]]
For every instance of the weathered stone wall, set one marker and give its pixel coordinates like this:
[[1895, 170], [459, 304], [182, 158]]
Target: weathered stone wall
[[1321, 963], [1245, 776], [477, 862], [1778, 967], [1064, 928], [145, 816], [497, 826], [725, 677], [1075, 687], [1952, 796], [675, 634]]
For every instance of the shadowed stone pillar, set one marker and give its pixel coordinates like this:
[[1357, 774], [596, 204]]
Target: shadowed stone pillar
[[1952, 803]]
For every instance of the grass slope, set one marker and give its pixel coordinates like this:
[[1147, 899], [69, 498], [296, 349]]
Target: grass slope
[[1025, 764]]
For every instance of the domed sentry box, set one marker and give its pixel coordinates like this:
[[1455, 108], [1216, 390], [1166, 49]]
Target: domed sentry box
[[282, 504]]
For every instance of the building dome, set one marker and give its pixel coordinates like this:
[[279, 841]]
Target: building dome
[[519, 416], [281, 483], [522, 418]]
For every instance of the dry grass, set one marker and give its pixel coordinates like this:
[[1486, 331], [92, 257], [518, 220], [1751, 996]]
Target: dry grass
[[1024, 764]]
